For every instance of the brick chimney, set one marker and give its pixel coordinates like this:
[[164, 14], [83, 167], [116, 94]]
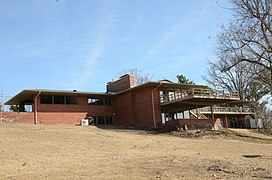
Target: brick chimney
[[124, 82]]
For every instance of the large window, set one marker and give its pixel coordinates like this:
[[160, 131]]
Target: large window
[[99, 101], [103, 120], [58, 99], [46, 99], [71, 100]]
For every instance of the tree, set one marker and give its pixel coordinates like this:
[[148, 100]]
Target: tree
[[265, 114], [236, 79], [249, 38], [139, 76], [246, 83], [183, 80], [244, 50]]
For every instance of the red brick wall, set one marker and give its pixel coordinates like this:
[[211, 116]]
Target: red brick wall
[[63, 113], [144, 107], [130, 108], [178, 124], [21, 117], [123, 109], [60, 117], [135, 108], [44, 117], [70, 113], [122, 84]]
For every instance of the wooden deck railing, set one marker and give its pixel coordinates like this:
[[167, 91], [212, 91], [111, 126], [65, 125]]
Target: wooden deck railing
[[198, 93], [227, 109]]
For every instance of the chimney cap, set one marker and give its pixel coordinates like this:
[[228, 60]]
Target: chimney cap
[[125, 75]]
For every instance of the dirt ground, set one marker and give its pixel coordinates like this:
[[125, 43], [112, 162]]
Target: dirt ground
[[89, 152]]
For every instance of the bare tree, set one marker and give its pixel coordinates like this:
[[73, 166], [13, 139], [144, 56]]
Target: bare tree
[[245, 82], [239, 78], [264, 113], [244, 50], [139, 76], [249, 37]]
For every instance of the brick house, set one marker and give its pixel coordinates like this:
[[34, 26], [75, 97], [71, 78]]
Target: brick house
[[151, 105]]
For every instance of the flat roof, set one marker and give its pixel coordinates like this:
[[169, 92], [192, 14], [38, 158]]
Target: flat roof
[[165, 85], [28, 93]]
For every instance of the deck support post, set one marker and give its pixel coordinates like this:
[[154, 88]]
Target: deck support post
[[213, 127], [226, 121]]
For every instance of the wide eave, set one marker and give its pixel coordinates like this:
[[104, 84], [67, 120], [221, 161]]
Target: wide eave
[[26, 96]]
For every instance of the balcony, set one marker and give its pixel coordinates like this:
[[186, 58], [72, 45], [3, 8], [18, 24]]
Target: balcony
[[227, 110], [198, 93]]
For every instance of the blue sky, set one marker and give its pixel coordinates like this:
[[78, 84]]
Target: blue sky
[[82, 44]]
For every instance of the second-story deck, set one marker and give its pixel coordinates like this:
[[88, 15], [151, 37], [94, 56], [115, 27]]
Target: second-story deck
[[198, 93], [187, 99]]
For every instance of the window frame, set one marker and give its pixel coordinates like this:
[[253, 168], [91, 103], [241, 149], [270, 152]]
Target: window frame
[[58, 99]]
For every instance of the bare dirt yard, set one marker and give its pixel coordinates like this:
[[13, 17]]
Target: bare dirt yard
[[89, 152]]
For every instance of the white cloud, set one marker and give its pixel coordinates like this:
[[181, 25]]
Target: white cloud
[[187, 34], [153, 52], [96, 47]]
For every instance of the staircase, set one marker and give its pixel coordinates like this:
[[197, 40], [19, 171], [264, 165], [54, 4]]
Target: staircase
[[194, 114]]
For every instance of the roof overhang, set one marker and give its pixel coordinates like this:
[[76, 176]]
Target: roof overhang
[[164, 85], [27, 95], [193, 103]]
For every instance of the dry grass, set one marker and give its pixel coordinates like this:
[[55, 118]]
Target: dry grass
[[77, 152]]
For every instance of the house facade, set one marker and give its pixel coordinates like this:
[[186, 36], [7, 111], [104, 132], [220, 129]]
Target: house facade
[[150, 105]]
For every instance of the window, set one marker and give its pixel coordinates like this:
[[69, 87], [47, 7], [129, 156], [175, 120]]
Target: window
[[71, 100], [92, 101], [103, 120], [46, 99], [100, 120], [108, 120], [99, 101], [107, 102], [58, 99]]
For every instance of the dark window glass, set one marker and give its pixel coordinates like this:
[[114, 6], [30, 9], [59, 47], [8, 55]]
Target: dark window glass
[[103, 120], [100, 119], [99, 101], [46, 99], [58, 99], [71, 100], [107, 120], [110, 120], [108, 102]]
